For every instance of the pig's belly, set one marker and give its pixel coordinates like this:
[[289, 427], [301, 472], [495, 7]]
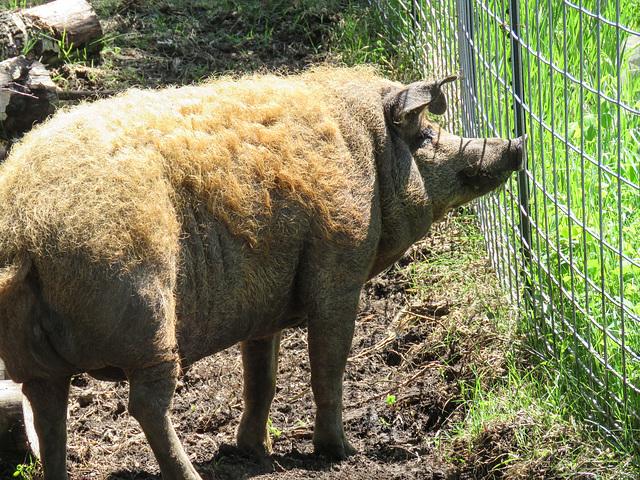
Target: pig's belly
[[234, 296], [202, 335]]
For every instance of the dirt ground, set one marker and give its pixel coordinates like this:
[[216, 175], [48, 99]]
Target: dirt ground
[[402, 387]]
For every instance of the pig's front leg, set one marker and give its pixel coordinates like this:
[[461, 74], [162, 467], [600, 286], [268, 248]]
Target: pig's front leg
[[48, 399], [330, 335], [260, 363]]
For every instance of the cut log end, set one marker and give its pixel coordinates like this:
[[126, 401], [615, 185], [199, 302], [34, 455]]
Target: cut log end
[[13, 436]]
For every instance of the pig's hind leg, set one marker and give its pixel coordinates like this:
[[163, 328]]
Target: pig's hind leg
[[152, 379], [48, 399], [260, 363], [151, 391]]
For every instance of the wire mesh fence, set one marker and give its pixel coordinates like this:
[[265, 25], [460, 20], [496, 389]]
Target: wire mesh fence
[[565, 235]]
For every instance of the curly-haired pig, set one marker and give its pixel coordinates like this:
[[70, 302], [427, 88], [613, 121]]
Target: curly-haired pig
[[141, 233]]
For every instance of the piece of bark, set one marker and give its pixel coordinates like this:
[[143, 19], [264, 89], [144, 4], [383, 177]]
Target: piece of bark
[[47, 31], [30, 439]]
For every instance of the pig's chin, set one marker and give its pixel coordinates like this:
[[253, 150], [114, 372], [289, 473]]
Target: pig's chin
[[482, 183], [499, 181], [485, 184]]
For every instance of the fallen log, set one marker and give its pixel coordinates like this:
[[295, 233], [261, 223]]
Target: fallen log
[[28, 95], [50, 31], [13, 435]]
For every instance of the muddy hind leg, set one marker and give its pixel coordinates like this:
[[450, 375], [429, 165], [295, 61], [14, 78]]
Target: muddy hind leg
[[260, 362], [150, 394], [48, 399]]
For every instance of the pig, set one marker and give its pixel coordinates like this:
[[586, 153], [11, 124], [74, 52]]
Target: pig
[[141, 233]]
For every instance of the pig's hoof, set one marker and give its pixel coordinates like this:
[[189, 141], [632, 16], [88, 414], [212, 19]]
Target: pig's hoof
[[253, 440], [335, 451], [255, 447]]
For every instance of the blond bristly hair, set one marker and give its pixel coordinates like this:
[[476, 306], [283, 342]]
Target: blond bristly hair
[[113, 177]]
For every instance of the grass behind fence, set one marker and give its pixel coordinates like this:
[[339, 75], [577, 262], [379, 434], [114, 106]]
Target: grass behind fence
[[580, 269], [582, 116]]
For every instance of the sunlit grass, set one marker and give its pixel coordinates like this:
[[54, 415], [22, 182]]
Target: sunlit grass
[[519, 417], [581, 108]]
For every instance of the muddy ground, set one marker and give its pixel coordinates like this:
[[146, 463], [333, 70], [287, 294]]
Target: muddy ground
[[415, 345]]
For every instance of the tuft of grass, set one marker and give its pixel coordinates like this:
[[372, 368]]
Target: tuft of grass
[[521, 428], [273, 431], [13, 4], [516, 419], [26, 470]]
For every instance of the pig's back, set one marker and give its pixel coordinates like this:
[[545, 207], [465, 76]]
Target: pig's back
[[131, 164]]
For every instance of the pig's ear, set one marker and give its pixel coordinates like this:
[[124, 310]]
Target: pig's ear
[[418, 96]]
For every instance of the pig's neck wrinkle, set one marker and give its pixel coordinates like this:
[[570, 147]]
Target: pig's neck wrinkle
[[406, 210]]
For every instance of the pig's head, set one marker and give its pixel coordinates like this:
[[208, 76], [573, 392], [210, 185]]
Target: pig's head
[[454, 170]]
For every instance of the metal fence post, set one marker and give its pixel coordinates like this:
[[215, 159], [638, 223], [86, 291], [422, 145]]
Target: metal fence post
[[520, 129]]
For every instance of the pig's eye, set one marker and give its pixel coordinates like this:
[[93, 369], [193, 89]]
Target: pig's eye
[[425, 135]]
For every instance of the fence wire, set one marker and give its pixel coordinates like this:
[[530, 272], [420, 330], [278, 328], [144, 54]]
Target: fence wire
[[564, 236]]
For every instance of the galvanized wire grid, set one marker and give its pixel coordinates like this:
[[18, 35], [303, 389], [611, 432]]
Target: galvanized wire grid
[[565, 235], [424, 35]]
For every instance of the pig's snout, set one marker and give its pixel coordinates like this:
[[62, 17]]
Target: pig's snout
[[493, 157], [515, 152], [507, 156], [490, 162]]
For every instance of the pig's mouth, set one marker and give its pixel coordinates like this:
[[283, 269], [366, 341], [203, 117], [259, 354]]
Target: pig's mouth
[[478, 185], [480, 181]]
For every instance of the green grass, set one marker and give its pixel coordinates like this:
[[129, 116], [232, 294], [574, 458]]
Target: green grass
[[27, 470], [523, 422], [585, 199], [519, 420]]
